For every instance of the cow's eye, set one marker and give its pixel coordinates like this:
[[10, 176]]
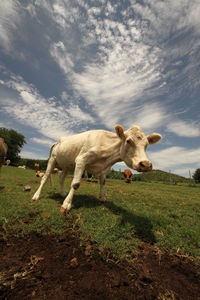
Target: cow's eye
[[139, 137], [130, 142]]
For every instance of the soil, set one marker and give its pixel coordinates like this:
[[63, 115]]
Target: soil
[[50, 267]]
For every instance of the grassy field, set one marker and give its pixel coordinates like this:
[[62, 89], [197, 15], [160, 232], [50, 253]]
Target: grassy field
[[167, 216]]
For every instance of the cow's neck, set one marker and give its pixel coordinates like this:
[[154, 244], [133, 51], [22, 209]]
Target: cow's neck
[[112, 154]]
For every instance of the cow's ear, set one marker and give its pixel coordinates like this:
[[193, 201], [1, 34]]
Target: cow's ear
[[154, 138], [120, 131]]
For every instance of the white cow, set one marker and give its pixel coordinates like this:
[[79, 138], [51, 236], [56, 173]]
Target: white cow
[[22, 167], [96, 151]]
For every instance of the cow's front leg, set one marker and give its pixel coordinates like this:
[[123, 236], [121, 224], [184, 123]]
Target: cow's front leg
[[102, 180], [79, 169]]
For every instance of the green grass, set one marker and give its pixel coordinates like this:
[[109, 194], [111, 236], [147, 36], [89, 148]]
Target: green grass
[[18, 213], [167, 216]]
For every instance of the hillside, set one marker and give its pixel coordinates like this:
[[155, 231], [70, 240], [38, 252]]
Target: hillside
[[159, 175], [154, 175]]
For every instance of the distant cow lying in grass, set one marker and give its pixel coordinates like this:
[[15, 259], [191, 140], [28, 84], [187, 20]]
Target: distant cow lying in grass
[[22, 167], [96, 151], [39, 174]]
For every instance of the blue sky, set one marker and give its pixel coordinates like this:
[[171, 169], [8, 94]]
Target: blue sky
[[70, 66]]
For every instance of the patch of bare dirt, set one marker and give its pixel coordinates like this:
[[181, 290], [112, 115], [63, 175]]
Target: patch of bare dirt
[[35, 181], [49, 267]]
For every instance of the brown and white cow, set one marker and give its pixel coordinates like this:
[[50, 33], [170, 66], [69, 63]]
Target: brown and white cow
[[96, 151], [3, 151], [36, 167], [127, 175]]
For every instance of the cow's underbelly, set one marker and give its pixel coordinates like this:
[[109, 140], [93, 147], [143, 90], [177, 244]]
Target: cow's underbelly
[[98, 168], [65, 164]]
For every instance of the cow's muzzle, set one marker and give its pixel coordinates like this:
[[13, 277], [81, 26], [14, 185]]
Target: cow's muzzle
[[128, 180], [144, 166]]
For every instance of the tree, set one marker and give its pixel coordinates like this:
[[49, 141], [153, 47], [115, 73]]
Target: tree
[[196, 176], [14, 141]]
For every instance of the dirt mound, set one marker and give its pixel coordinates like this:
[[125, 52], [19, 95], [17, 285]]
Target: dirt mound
[[49, 267]]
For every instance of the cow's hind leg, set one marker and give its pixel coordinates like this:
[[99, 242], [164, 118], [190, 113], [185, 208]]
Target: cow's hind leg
[[79, 169], [102, 181], [62, 176], [50, 166]]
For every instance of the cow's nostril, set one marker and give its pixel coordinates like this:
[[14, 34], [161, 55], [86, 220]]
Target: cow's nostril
[[145, 164], [142, 164]]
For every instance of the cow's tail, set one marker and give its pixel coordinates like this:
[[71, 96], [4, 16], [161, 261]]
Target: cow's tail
[[50, 152], [51, 149]]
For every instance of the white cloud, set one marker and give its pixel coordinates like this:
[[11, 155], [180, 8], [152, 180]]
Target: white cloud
[[150, 116], [173, 157], [77, 114], [169, 16], [32, 155], [183, 128], [186, 172], [119, 72], [127, 70], [31, 9], [43, 141], [62, 57], [9, 20], [47, 116]]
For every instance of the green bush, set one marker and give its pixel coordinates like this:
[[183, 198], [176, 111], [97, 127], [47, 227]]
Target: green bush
[[15, 141], [196, 175]]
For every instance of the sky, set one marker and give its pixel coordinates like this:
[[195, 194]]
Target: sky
[[73, 65]]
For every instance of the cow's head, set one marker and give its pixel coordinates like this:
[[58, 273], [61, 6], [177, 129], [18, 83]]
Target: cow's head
[[133, 147], [127, 175]]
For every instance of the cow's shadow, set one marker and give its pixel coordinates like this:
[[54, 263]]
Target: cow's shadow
[[142, 226], [56, 196]]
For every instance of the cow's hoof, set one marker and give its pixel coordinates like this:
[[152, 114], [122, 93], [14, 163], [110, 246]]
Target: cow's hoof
[[35, 199], [64, 211]]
